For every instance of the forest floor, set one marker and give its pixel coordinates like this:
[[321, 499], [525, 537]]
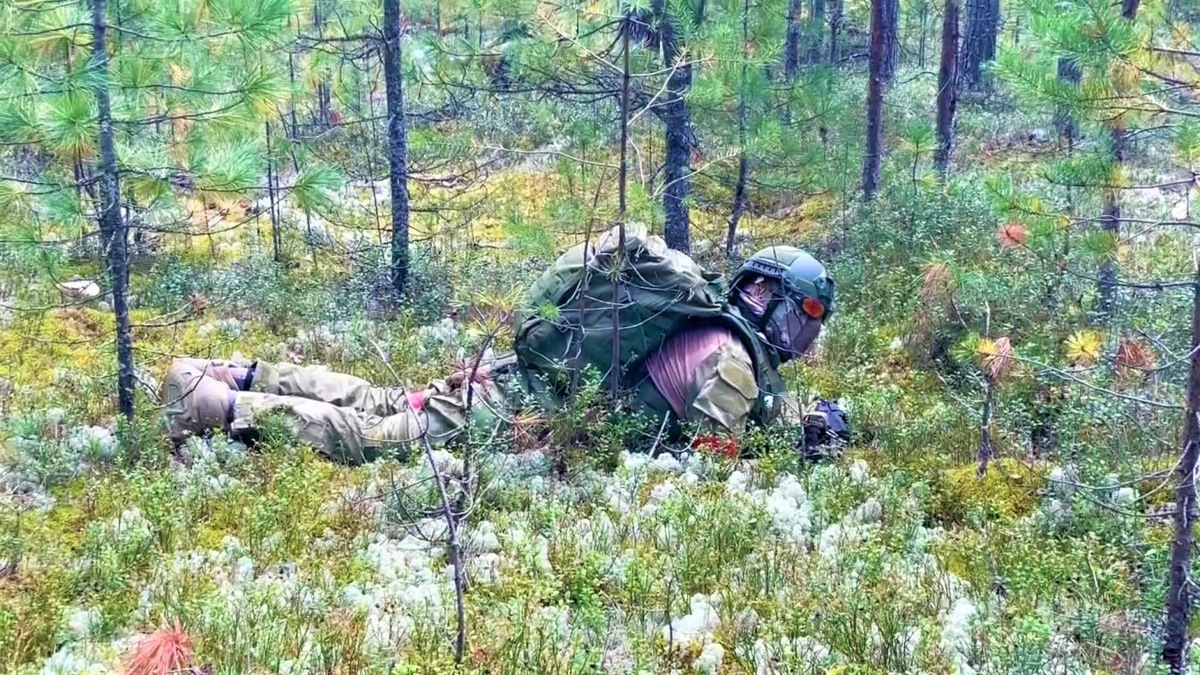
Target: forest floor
[[893, 558]]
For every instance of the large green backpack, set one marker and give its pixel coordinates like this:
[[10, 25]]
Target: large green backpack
[[567, 320]]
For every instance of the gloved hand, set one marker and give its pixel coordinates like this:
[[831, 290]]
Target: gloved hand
[[826, 429]]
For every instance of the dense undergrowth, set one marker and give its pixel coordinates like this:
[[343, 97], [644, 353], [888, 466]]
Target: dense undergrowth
[[897, 557]]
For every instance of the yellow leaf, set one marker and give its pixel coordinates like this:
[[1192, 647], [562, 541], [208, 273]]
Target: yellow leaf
[[1085, 347], [986, 347]]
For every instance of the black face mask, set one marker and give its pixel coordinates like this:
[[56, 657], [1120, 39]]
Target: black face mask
[[789, 329]]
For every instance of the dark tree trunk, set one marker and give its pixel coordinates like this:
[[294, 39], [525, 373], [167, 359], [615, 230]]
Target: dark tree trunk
[[1110, 222], [947, 98], [114, 231], [979, 42], [985, 427], [739, 203], [622, 206], [1064, 117], [295, 126], [835, 28], [276, 230], [924, 23], [791, 45], [623, 175], [816, 49], [891, 39], [324, 92], [397, 135], [739, 191], [1175, 643], [1110, 218], [676, 117], [875, 87]]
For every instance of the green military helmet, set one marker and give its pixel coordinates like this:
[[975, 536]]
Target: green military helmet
[[800, 275]]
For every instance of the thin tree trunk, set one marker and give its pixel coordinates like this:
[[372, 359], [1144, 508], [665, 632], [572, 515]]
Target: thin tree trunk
[[371, 148], [276, 234], [676, 116], [924, 23], [295, 127], [1110, 222], [1110, 217], [875, 87], [1175, 643], [947, 98], [739, 192], [622, 204], [1064, 118], [835, 28], [739, 202], [985, 425], [397, 134], [816, 50], [979, 42], [114, 231], [791, 44], [891, 52], [321, 116]]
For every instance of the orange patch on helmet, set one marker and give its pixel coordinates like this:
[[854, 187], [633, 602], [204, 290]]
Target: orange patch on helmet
[[813, 308]]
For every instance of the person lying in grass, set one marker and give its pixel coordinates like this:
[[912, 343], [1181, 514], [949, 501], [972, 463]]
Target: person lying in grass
[[721, 372]]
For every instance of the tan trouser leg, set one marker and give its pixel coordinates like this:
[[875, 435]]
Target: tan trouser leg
[[343, 434], [319, 384], [349, 433]]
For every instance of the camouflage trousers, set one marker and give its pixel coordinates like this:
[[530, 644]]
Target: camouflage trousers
[[353, 421]]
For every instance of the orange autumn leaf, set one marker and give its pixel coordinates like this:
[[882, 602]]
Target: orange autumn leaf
[[1011, 235]]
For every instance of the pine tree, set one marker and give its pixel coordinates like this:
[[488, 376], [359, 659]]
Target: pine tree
[[1110, 217], [979, 42], [876, 84], [114, 233], [816, 50], [397, 139], [791, 50], [891, 39], [1103, 68], [739, 190], [145, 135], [1069, 74], [1179, 576], [836, 14], [676, 117], [947, 98]]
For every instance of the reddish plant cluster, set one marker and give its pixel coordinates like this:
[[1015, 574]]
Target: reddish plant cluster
[[1011, 235], [167, 650], [716, 445]]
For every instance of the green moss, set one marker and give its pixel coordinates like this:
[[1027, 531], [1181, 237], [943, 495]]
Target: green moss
[[1010, 489]]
